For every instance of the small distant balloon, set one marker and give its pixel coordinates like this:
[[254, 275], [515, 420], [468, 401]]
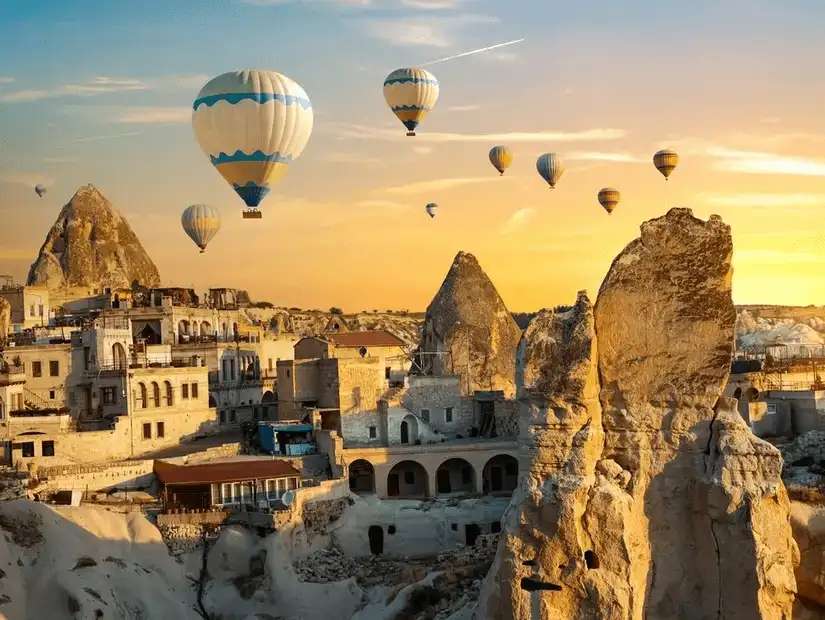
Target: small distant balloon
[[501, 157], [201, 223], [411, 93], [665, 161], [40, 189], [550, 168], [431, 209], [609, 198]]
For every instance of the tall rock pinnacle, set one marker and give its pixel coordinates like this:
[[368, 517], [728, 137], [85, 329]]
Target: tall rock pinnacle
[[92, 245]]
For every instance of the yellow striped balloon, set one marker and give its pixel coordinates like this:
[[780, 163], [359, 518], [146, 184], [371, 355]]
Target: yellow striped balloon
[[665, 161], [501, 157], [201, 223], [411, 93], [252, 125], [609, 198]]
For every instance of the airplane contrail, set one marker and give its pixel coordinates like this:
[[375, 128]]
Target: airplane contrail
[[478, 51]]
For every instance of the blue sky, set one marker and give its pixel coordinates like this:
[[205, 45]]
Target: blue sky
[[97, 91]]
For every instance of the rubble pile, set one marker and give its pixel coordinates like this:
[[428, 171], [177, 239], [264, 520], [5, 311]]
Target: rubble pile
[[185, 538]]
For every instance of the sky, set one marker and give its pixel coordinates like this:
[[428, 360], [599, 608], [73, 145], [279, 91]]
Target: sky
[[95, 91]]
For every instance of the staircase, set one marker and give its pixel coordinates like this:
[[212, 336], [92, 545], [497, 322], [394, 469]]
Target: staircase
[[35, 402]]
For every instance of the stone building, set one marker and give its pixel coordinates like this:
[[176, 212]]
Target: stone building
[[47, 368]]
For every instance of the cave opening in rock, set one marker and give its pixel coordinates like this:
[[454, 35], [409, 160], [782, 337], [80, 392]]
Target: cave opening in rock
[[591, 559]]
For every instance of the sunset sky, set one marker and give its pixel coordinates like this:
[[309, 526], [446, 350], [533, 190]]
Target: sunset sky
[[97, 91]]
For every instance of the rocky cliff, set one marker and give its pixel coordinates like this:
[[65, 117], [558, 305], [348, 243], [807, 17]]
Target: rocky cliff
[[646, 496], [468, 319], [92, 245]]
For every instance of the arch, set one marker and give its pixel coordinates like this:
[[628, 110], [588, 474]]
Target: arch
[[206, 328], [408, 480], [409, 429], [737, 393], [269, 397], [119, 356], [500, 474], [235, 331], [183, 328], [224, 331], [116, 301], [751, 394], [155, 394], [455, 475], [361, 477], [170, 395], [212, 402], [142, 397]]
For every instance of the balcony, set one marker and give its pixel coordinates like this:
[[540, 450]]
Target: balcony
[[121, 367], [11, 374]]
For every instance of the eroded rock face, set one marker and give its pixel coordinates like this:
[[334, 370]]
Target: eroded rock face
[[467, 317], [647, 496], [92, 245]]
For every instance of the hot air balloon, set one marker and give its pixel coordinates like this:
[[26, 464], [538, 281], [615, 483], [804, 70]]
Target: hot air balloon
[[252, 124], [665, 161], [40, 189], [501, 157], [411, 94], [201, 223], [609, 198], [550, 168], [431, 209]]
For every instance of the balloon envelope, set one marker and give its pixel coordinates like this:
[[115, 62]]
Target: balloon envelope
[[201, 223], [665, 161], [40, 189], [431, 209], [501, 157], [550, 168], [252, 124], [411, 93], [609, 198]]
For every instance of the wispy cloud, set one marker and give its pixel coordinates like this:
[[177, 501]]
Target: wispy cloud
[[464, 108], [105, 137], [588, 135], [620, 158], [519, 220], [27, 178], [426, 32], [433, 4], [746, 162], [422, 150], [155, 115], [764, 200], [472, 52], [4, 79], [351, 158], [387, 205], [436, 185], [102, 85]]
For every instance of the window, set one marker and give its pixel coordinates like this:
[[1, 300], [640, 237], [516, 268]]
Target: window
[[271, 489], [47, 448], [17, 403], [37, 369], [40, 310], [194, 390], [771, 410], [409, 477], [225, 365], [51, 394], [86, 358], [293, 484], [265, 415], [287, 373], [31, 310], [425, 415], [184, 390], [155, 394], [255, 413], [373, 434], [232, 416], [147, 430], [28, 449], [170, 399], [222, 416], [230, 493], [108, 395], [387, 372], [161, 429], [448, 414], [231, 370], [269, 363], [54, 368]]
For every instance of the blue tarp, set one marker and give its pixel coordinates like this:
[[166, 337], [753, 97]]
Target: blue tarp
[[266, 434]]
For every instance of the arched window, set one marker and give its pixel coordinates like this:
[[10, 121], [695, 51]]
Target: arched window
[[170, 399], [142, 396], [155, 394]]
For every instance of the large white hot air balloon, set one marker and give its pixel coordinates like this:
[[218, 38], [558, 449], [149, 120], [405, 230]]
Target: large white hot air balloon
[[411, 93], [201, 223], [252, 124], [550, 168]]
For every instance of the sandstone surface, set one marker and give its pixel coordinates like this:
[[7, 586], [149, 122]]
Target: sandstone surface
[[647, 496], [5, 320], [469, 324], [92, 245]]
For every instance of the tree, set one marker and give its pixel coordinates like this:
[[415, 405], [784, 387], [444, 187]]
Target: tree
[[335, 310]]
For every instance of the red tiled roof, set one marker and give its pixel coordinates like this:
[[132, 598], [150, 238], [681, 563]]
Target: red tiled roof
[[364, 339], [232, 471]]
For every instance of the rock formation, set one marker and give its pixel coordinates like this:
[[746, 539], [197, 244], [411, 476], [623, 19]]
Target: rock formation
[[646, 496], [467, 317], [5, 321], [92, 245]]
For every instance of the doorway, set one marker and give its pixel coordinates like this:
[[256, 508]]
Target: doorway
[[376, 536], [471, 532], [405, 432], [393, 488], [496, 479], [443, 481]]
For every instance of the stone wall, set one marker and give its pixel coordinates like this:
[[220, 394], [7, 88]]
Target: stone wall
[[98, 477], [437, 394], [319, 515]]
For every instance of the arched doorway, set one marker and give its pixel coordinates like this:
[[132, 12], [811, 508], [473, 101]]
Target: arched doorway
[[409, 429], [455, 476], [118, 356], [361, 476], [500, 474], [269, 397], [376, 536], [407, 480]]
